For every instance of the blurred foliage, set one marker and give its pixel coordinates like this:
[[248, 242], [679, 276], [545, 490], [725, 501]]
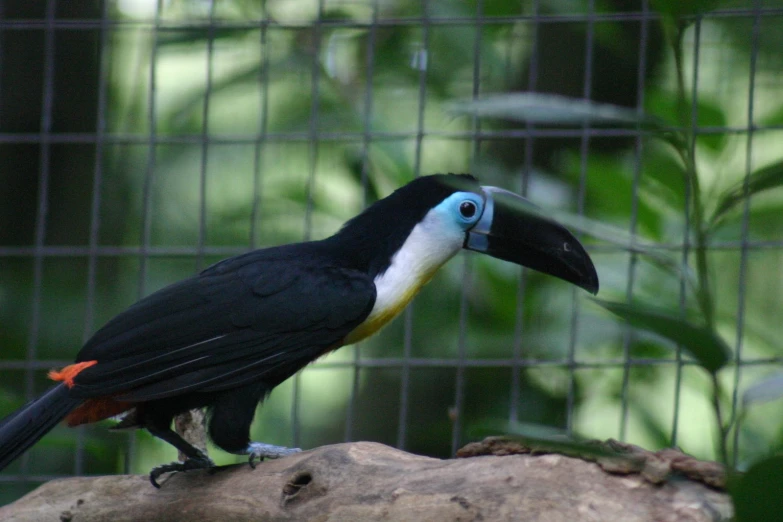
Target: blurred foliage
[[704, 344], [227, 133], [757, 495]]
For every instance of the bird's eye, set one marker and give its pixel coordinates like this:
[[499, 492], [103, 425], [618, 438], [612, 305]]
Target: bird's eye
[[467, 209]]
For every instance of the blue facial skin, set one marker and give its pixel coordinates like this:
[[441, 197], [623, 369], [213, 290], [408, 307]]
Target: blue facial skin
[[461, 210]]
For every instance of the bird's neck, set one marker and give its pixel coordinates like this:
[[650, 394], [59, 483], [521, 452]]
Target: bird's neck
[[411, 267]]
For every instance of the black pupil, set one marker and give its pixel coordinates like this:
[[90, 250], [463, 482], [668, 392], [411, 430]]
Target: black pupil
[[467, 209]]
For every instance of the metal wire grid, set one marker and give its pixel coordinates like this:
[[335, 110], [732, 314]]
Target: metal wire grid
[[745, 230], [536, 17], [518, 360]]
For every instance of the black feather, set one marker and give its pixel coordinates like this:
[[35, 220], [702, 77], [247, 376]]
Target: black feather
[[227, 336], [376, 234], [309, 307], [26, 426]]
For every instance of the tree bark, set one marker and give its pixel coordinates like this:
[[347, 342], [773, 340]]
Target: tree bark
[[190, 426], [369, 481]]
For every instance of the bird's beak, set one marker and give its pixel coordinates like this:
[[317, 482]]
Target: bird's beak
[[511, 228]]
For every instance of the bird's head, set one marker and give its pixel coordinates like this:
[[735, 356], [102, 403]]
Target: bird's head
[[431, 218]]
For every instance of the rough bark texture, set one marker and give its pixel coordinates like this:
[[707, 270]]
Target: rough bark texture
[[614, 456], [368, 481], [190, 425]]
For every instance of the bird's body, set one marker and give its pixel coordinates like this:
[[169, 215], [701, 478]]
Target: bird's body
[[226, 337]]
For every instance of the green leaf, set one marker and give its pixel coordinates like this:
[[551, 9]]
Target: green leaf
[[188, 103], [769, 177], [680, 8], [611, 188], [705, 345], [757, 495], [664, 177], [765, 390], [771, 119], [553, 109], [665, 105]]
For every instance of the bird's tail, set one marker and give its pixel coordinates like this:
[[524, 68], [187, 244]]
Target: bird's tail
[[26, 426]]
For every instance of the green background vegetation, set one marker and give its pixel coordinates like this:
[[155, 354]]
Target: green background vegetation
[[244, 134]]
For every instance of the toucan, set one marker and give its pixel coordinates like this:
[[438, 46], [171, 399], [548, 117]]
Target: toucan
[[223, 339]]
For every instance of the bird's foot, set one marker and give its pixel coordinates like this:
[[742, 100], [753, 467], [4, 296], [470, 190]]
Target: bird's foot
[[200, 462], [261, 451]]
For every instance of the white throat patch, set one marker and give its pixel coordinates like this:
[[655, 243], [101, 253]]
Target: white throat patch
[[430, 244]]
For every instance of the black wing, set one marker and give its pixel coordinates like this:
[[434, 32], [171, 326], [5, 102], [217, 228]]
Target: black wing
[[261, 316]]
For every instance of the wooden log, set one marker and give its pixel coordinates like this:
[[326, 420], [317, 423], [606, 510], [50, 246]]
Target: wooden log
[[368, 481]]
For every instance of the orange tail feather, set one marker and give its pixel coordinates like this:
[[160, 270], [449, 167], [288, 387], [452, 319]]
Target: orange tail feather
[[68, 373]]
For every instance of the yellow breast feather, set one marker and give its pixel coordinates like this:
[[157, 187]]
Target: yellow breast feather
[[378, 318]]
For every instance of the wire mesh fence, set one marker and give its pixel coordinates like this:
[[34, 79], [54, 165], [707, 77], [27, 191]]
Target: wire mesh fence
[[141, 141]]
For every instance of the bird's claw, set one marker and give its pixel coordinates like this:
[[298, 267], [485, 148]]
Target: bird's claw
[[260, 451], [190, 464]]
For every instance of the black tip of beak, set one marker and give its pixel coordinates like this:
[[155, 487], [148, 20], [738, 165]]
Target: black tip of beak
[[517, 232], [586, 277], [591, 285], [551, 249]]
